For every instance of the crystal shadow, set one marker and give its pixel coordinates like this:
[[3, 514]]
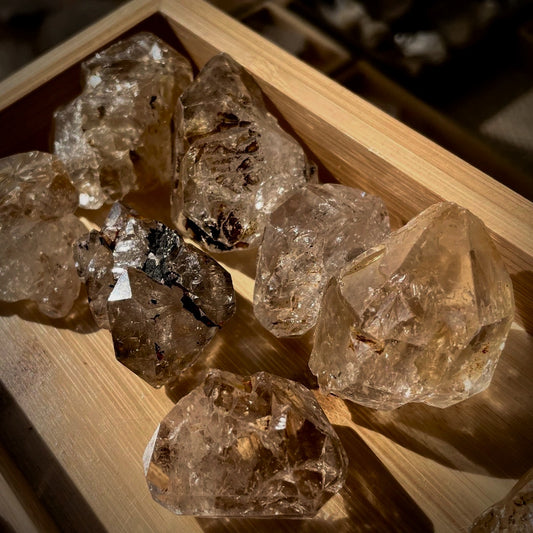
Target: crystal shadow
[[489, 434], [239, 337], [79, 318], [368, 479], [523, 302]]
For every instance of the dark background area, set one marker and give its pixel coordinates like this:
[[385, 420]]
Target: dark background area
[[458, 71]]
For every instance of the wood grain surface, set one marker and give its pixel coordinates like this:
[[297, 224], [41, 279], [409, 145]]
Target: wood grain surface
[[75, 422]]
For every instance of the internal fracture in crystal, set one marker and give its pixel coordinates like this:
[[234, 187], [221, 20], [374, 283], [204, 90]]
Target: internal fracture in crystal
[[422, 317], [257, 446], [307, 240], [513, 514], [237, 164], [37, 229], [118, 134], [162, 299]]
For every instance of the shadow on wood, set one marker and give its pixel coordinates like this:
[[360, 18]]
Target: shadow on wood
[[244, 347], [79, 318], [50, 482], [523, 301], [490, 433]]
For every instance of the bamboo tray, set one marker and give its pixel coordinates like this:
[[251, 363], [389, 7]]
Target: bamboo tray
[[74, 422]]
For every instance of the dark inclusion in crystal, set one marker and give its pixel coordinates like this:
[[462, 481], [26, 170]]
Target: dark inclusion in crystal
[[118, 136], [257, 446], [236, 163], [162, 299]]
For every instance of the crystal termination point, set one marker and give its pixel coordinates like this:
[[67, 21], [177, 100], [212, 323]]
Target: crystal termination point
[[422, 317]]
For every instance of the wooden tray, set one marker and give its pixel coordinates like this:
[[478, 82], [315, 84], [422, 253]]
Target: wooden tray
[[74, 422]]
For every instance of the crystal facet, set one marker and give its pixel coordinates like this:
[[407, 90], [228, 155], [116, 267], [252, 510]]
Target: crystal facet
[[514, 514], [258, 446], [117, 136], [307, 240], [422, 317], [162, 299], [37, 229], [238, 164]]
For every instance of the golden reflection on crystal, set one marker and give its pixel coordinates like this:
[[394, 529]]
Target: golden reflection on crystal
[[423, 317]]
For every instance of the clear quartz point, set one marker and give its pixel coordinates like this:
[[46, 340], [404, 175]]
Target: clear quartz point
[[422, 317]]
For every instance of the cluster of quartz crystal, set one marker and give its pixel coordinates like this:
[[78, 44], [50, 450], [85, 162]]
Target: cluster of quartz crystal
[[258, 446], [237, 163], [37, 229], [514, 514], [118, 134], [307, 240], [162, 299], [422, 317]]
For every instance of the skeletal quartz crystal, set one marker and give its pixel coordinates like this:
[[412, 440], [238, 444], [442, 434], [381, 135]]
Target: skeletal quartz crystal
[[118, 134], [422, 317], [237, 163], [162, 299], [513, 514], [37, 229], [258, 446], [307, 240]]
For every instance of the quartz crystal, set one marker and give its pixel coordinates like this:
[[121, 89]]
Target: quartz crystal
[[118, 134], [307, 240], [422, 317], [238, 164], [162, 299], [37, 229], [514, 514], [259, 446]]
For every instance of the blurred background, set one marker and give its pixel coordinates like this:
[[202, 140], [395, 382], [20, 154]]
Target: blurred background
[[458, 71]]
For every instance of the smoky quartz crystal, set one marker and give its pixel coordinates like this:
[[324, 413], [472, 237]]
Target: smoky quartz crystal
[[307, 240], [513, 514], [162, 299], [237, 164], [118, 135]]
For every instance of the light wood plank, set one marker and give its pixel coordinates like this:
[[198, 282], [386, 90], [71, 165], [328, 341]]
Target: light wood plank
[[93, 416]]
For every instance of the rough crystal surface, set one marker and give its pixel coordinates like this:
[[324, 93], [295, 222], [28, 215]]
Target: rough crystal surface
[[513, 514], [37, 229], [422, 317], [118, 134], [255, 446], [162, 299], [238, 164], [307, 240]]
